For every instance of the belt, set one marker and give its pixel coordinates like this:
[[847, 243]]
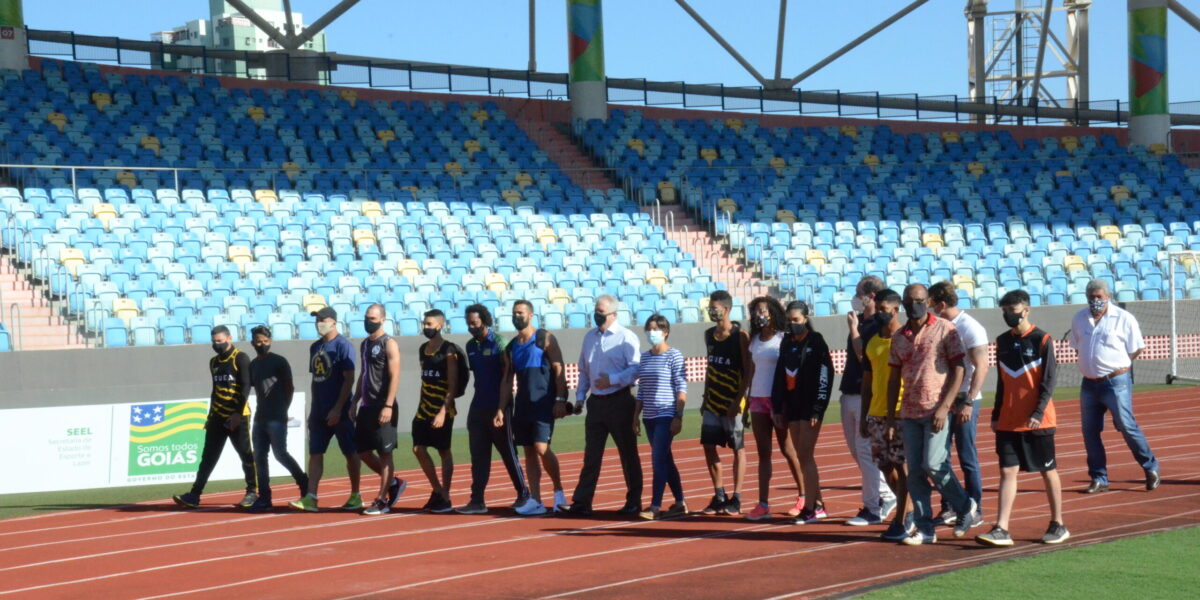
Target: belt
[[624, 390], [1120, 371]]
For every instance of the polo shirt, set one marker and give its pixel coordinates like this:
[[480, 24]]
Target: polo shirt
[[924, 359], [973, 335], [1104, 344]]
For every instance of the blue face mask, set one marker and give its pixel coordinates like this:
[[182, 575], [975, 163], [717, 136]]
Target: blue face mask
[[656, 337], [1097, 306]]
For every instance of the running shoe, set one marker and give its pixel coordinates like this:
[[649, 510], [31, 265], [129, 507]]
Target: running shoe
[[441, 506], [472, 508], [947, 517], [714, 506], [732, 506], [531, 508], [895, 532], [630, 509], [378, 507], [998, 536], [809, 516], [886, 507], [917, 539], [306, 503], [247, 501], [519, 502], [650, 514], [188, 500], [795, 509], [678, 509], [761, 512], [967, 521], [354, 502], [433, 499], [1153, 480], [560, 501], [1056, 534], [395, 490], [261, 505], [863, 518], [303, 485]]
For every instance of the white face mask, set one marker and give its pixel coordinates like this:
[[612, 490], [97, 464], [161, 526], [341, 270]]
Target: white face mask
[[324, 327], [655, 337], [857, 304]]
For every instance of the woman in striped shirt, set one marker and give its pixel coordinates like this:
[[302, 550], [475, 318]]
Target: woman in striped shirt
[[662, 392]]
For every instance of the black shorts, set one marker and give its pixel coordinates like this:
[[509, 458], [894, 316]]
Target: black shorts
[[801, 411], [369, 435], [1033, 452], [527, 432], [320, 434], [423, 434]]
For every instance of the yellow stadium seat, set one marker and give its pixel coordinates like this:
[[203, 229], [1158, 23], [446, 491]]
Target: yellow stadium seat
[[364, 235], [1063, 173], [951, 137], [240, 255], [965, 283], [815, 257], [313, 302], [1069, 143], [1112, 233], [125, 309], [1074, 263], [785, 215], [495, 282], [558, 296], [734, 123], [385, 135], [127, 178], [255, 112], [933, 241], [453, 168], [408, 268], [656, 277], [292, 168], [709, 155], [637, 144], [871, 160], [71, 258], [472, 146], [350, 96], [57, 119], [778, 163], [510, 196], [1159, 149], [546, 236], [666, 192], [480, 115], [372, 210], [976, 168], [104, 212], [524, 179], [726, 205], [101, 100], [849, 131]]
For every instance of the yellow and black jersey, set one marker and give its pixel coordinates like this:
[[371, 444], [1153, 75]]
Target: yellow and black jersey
[[1027, 371], [435, 380], [723, 377], [230, 385]]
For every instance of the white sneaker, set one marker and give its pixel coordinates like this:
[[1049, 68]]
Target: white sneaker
[[886, 507], [531, 508], [560, 501], [967, 521]]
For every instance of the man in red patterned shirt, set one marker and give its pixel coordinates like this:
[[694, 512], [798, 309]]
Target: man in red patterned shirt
[[927, 358]]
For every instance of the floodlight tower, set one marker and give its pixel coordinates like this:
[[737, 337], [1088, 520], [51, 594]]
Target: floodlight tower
[[585, 51], [14, 54]]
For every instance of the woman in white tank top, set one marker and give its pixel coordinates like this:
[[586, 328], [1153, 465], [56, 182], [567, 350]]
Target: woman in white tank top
[[766, 333]]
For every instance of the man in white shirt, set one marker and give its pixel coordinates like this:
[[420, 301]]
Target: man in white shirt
[[1107, 339], [608, 364], [943, 301]]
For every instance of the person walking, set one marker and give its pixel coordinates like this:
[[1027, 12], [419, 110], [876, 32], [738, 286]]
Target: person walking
[[727, 380], [271, 378], [662, 394], [374, 409]]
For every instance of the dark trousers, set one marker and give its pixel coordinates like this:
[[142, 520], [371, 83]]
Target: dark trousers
[[665, 471], [609, 416], [215, 434], [271, 436], [482, 437], [963, 438]]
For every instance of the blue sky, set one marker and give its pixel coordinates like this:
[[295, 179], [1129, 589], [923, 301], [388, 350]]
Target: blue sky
[[924, 53]]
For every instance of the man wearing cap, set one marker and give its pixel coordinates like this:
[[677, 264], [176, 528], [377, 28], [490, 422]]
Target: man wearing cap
[[331, 362], [1108, 338]]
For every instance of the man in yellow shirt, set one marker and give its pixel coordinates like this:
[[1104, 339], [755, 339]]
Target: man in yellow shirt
[[878, 421]]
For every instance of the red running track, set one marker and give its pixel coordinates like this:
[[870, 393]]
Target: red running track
[[152, 550]]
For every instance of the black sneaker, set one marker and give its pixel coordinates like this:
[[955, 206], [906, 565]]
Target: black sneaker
[[395, 489], [714, 506], [732, 506], [247, 501], [441, 505], [630, 509], [998, 536], [1056, 534], [378, 507], [895, 532], [946, 517], [262, 504], [577, 510], [188, 500], [433, 500]]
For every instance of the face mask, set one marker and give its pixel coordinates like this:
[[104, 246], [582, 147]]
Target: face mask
[[762, 320], [324, 327], [857, 304], [714, 315], [797, 328], [916, 310], [371, 326], [656, 337], [600, 319], [475, 331], [219, 348], [429, 332], [1097, 306], [520, 323], [883, 319], [263, 349], [1013, 319]]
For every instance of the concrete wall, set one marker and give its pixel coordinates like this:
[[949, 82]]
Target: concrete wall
[[164, 373]]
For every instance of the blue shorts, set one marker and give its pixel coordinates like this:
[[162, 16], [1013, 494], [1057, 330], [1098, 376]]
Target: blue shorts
[[320, 434], [527, 432]]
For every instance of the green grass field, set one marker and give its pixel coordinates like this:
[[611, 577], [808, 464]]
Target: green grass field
[[1149, 566]]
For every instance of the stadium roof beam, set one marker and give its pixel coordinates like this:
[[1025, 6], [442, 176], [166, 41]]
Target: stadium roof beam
[[1041, 55], [260, 22], [855, 42], [288, 23], [1183, 13], [720, 40], [291, 41], [779, 40]]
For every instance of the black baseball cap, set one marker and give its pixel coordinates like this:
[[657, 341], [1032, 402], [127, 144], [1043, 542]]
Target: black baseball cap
[[325, 312]]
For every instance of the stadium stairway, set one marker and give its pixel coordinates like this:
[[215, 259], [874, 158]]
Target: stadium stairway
[[554, 138], [37, 327]]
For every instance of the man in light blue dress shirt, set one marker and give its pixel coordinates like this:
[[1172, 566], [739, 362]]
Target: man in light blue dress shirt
[[608, 363]]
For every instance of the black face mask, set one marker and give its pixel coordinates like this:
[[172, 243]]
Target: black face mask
[[220, 348], [429, 332], [372, 326], [475, 331], [883, 319], [797, 328], [600, 319], [263, 349], [1013, 319], [762, 320], [916, 310], [714, 316], [520, 323]]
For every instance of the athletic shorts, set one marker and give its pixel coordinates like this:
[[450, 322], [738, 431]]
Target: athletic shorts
[[423, 434], [721, 431], [527, 432], [886, 454], [320, 434], [369, 435], [1033, 453], [760, 405]]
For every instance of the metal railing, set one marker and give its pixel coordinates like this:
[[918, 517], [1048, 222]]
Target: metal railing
[[360, 71], [18, 330]]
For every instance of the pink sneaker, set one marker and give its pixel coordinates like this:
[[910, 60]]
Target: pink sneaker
[[761, 512], [795, 510]]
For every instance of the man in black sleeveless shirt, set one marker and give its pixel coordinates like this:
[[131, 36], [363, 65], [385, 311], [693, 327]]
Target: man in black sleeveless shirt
[[376, 416]]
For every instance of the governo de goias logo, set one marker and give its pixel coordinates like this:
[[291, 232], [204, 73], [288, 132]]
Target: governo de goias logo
[[166, 438]]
